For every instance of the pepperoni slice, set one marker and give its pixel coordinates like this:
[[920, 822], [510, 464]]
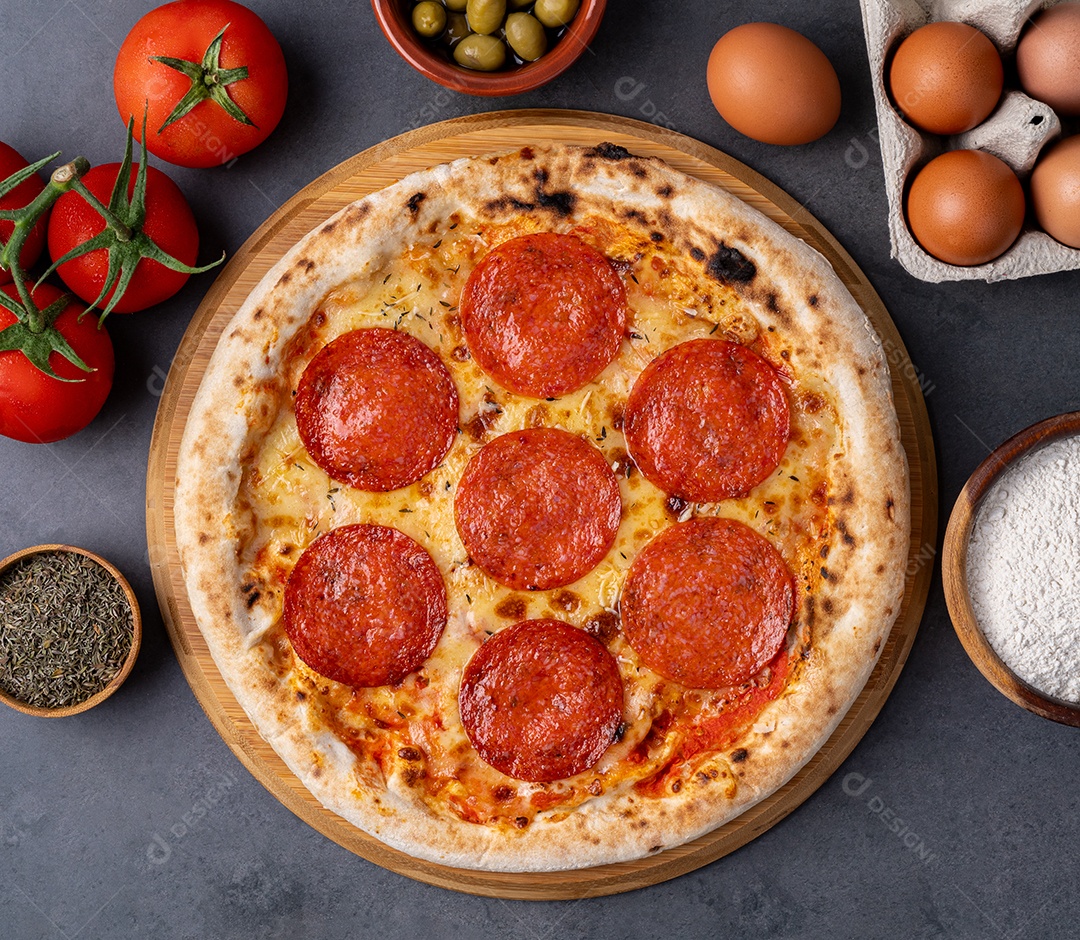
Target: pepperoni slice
[[541, 700], [365, 605], [538, 508], [543, 314], [708, 603], [707, 420], [376, 409]]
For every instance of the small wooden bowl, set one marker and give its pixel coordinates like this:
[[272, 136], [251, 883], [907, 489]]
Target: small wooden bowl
[[136, 638], [394, 17], [954, 569]]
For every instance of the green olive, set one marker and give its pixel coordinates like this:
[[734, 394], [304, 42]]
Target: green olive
[[429, 19], [458, 6], [555, 13], [457, 28], [485, 16], [526, 36], [483, 53]]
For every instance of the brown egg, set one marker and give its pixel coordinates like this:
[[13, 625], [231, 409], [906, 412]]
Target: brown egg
[[1055, 191], [946, 78], [1048, 58], [773, 84], [965, 207]]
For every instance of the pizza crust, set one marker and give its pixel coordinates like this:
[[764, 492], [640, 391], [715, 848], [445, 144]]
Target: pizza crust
[[788, 285]]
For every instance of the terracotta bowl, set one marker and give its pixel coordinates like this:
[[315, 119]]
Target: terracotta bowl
[[954, 569], [136, 639], [394, 18]]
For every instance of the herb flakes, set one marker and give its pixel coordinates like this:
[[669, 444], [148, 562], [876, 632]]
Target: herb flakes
[[66, 629]]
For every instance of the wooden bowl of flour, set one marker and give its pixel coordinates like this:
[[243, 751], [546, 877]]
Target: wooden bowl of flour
[[991, 573]]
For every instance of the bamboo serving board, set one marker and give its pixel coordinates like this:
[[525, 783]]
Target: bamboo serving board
[[369, 171]]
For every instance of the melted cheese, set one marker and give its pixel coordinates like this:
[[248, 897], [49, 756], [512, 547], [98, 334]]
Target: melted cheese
[[413, 732]]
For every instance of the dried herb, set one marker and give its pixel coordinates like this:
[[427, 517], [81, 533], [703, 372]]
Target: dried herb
[[65, 629]]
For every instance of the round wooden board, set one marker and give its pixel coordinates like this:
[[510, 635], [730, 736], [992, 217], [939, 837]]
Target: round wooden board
[[369, 171]]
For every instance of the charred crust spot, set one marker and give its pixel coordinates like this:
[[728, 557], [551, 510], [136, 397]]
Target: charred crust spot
[[507, 204], [329, 227], [697, 254], [785, 744], [603, 626], [641, 823], [609, 151], [676, 786], [512, 608], [316, 772], [409, 753], [812, 300], [636, 169], [772, 302], [845, 536], [527, 153], [301, 696], [827, 605], [729, 265], [656, 236], [847, 499], [889, 504], [285, 550], [414, 202], [358, 211], [675, 505], [306, 263], [258, 314], [503, 793], [566, 601], [636, 216], [204, 537], [412, 776], [877, 646], [521, 822], [880, 569], [540, 175], [252, 599], [738, 756], [825, 576], [665, 192], [561, 203], [824, 551], [460, 354], [285, 278]]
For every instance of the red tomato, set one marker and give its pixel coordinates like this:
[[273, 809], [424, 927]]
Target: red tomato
[[207, 135], [21, 195], [37, 408], [169, 223]]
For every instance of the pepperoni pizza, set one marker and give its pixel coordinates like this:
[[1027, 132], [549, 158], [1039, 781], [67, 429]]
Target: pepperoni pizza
[[546, 509]]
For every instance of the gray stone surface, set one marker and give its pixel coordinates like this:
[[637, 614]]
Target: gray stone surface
[[93, 841]]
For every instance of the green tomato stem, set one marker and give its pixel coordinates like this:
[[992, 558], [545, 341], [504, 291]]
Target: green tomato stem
[[62, 180]]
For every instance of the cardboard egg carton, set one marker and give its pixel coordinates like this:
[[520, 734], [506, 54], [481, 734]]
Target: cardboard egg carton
[[1016, 132]]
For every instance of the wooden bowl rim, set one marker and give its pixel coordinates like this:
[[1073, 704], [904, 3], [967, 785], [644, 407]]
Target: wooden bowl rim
[[136, 634], [514, 81], [954, 568]]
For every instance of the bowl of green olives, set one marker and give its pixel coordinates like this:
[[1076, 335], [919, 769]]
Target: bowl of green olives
[[490, 47]]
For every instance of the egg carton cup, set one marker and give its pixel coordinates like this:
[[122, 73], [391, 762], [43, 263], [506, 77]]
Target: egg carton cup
[[1016, 132]]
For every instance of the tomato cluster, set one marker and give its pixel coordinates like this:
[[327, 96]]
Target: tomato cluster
[[206, 81]]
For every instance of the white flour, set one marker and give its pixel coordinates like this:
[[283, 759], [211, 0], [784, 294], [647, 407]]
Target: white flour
[[1024, 568]]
